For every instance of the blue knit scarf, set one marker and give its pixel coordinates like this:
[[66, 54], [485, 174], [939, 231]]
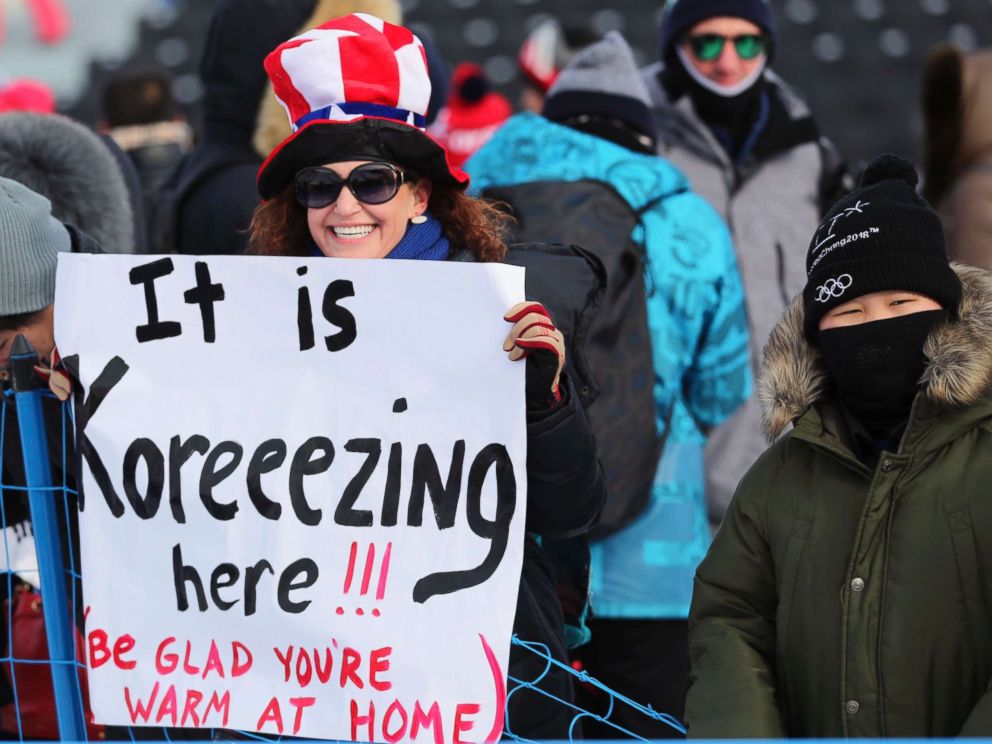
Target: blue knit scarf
[[422, 242]]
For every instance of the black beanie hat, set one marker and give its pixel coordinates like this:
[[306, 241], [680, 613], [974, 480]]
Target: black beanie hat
[[682, 15], [881, 237]]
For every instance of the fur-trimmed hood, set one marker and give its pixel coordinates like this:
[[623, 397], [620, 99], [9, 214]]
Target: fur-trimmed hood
[[959, 358], [70, 165]]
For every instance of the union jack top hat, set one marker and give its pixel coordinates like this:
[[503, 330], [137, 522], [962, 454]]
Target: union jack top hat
[[355, 88]]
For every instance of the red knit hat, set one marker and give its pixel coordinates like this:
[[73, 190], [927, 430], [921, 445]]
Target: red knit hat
[[27, 95], [354, 88], [473, 113]]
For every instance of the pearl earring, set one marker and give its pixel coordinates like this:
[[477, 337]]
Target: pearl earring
[[418, 220]]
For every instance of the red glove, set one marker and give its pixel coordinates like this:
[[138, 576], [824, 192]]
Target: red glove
[[535, 337]]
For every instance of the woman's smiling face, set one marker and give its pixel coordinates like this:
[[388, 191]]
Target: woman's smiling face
[[348, 228]]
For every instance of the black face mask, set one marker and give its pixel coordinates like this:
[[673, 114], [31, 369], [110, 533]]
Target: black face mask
[[735, 115], [876, 367]]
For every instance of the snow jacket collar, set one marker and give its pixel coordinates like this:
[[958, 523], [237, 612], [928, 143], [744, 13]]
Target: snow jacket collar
[[790, 121]]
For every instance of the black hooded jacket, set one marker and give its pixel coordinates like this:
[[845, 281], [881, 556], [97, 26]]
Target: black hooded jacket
[[566, 491], [209, 202]]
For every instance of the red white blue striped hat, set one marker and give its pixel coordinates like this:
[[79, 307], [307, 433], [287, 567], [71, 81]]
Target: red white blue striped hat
[[355, 88]]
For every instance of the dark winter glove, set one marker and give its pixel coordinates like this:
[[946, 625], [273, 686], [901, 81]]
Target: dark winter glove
[[535, 337]]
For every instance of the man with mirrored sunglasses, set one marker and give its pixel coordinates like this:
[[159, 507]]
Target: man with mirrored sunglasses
[[708, 47], [750, 146]]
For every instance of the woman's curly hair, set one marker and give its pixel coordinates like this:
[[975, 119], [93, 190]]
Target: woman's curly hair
[[279, 225]]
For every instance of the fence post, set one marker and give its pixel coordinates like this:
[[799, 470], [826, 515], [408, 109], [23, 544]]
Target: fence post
[[59, 623]]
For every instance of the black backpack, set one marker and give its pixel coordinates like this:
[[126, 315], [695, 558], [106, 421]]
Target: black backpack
[[618, 394]]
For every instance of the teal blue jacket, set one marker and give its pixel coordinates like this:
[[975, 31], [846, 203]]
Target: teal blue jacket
[[699, 337]]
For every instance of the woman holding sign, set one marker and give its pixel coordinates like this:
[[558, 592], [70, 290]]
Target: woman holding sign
[[360, 178]]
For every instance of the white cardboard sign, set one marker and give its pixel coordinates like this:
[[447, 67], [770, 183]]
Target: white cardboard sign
[[304, 492]]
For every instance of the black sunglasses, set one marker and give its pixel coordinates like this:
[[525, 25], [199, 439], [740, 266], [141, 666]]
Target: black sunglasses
[[707, 47], [370, 183]]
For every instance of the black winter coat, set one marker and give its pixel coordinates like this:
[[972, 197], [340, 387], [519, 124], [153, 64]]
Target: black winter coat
[[566, 491], [841, 599], [214, 188]]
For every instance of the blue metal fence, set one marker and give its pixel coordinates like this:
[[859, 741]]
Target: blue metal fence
[[52, 508], [51, 568]]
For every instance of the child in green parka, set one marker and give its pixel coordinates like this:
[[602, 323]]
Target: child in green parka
[[847, 592]]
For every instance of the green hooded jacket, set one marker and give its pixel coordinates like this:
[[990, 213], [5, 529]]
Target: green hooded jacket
[[837, 600]]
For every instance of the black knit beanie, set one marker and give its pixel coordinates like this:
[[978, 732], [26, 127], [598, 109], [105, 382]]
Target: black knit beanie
[[681, 15], [883, 236]]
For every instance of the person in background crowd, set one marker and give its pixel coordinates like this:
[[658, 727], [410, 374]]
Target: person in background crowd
[[749, 145], [206, 205], [957, 144], [845, 594], [77, 171], [546, 50], [26, 95], [686, 371], [139, 114], [473, 112], [378, 187]]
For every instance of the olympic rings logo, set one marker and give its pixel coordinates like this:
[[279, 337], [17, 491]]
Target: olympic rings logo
[[833, 288]]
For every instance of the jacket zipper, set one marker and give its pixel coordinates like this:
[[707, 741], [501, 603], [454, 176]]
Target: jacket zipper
[[909, 423], [881, 614]]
